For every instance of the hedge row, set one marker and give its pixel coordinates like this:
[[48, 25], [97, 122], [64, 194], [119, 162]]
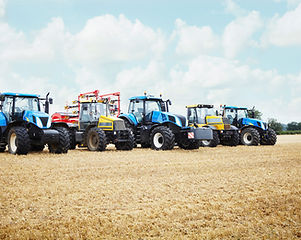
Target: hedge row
[[289, 132]]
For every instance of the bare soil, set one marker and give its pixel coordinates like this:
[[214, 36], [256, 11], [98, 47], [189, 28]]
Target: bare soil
[[211, 193]]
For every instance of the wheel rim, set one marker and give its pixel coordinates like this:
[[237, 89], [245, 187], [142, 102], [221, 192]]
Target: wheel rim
[[13, 142], [206, 142], [158, 140], [93, 140], [248, 138]]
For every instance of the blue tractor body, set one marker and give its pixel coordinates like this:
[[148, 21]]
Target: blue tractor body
[[252, 131], [24, 127], [154, 126]]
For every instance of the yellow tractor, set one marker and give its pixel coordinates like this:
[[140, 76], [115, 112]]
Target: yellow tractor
[[95, 123], [204, 115]]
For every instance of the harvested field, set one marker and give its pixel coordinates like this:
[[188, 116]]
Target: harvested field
[[223, 192]]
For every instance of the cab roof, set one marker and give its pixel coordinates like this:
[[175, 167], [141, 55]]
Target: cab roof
[[200, 106], [19, 94], [233, 107], [145, 98]]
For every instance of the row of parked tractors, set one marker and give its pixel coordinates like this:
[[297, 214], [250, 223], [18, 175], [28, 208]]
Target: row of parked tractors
[[94, 120]]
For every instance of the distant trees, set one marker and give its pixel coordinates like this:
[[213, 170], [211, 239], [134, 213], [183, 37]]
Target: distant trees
[[292, 126], [254, 113], [277, 126]]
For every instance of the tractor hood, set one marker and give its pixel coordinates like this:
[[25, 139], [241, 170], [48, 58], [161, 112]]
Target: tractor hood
[[255, 122], [161, 117], [40, 119]]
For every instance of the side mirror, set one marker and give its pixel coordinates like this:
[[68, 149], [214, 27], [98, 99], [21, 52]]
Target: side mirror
[[50, 100], [216, 112], [169, 102]]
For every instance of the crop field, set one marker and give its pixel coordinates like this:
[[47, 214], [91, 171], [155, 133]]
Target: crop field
[[210, 193]]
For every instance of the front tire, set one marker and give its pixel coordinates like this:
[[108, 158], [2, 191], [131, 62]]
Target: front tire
[[129, 145], [250, 137], [18, 141], [63, 144], [96, 139], [271, 138], [211, 143], [162, 138]]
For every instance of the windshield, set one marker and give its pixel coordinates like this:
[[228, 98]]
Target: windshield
[[26, 103], [92, 111], [152, 106], [204, 112], [242, 114]]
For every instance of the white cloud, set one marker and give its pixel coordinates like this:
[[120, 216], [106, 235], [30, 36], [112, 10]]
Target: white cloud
[[14, 46], [106, 39], [238, 33], [194, 40], [285, 30], [222, 81], [2, 8], [233, 8], [290, 3]]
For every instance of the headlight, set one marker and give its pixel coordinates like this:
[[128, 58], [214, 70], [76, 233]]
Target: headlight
[[39, 122]]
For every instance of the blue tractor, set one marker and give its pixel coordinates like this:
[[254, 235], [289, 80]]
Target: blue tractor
[[252, 131], [24, 127], [154, 126]]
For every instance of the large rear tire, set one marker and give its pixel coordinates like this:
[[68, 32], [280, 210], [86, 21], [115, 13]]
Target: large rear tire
[[162, 138], [96, 139], [211, 143], [64, 142], [250, 137], [271, 138], [37, 148], [129, 145], [233, 141], [18, 141], [2, 149], [189, 144], [72, 138]]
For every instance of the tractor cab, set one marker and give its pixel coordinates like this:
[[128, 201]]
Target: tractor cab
[[90, 112], [143, 108], [204, 114], [240, 117], [25, 107], [236, 115]]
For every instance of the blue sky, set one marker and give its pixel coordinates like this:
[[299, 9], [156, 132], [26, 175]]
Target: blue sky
[[243, 53]]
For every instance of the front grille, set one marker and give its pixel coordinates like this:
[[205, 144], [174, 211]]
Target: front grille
[[119, 125], [227, 126], [226, 121], [34, 119], [44, 121]]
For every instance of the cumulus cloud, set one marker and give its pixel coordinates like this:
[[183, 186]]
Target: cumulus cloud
[[194, 40], [106, 39], [115, 54], [233, 8], [284, 30], [2, 8], [238, 33]]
